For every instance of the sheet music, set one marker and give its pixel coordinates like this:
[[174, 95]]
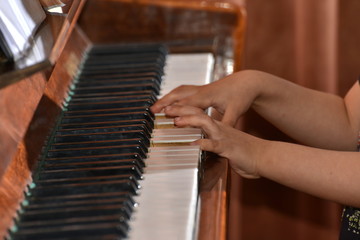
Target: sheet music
[[19, 21]]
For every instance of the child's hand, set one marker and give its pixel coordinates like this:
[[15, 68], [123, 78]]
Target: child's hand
[[238, 147], [231, 96]]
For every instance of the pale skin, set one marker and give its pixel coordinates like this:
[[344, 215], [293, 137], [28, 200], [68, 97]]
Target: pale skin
[[325, 165]]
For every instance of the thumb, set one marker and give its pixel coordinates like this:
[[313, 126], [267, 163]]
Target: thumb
[[230, 117], [207, 145]]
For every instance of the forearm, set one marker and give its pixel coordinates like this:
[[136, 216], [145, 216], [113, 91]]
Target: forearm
[[311, 117], [331, 175]]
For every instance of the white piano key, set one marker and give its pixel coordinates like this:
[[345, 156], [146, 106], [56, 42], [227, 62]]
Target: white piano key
[[168, 199], [187, 69]]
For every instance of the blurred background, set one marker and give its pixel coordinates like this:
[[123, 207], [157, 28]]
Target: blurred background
[[315, 44]]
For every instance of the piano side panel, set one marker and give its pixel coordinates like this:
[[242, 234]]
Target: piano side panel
[[32, 106], [214, 197]]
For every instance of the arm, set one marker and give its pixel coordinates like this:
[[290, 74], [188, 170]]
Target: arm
[[328, 174], [311, 117]]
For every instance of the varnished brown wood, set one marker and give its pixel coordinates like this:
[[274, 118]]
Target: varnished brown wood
[[214, 197], [29, 107], [196, 26], [29, 110]]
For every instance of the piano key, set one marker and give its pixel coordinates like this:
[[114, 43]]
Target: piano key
[[90, 96], [195, 69], [73, 165], [119, 88], [106, 129], [114, 71], [133, 141], [164, 175], [77, 197], [128, 155], [126, 184], [146, 115], [64, 181], [88, 83], [85, 171], [109, 49], [117, 104], [90, 172], [149, 125], [116, 135], [88, 231], [96, 151], [106, 97], [124, 59]]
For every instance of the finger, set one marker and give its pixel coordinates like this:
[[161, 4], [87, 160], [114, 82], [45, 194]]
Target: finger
[[174, 96], [207, 145], [180, 110], [202, 99], [230, 117], [203, 121]]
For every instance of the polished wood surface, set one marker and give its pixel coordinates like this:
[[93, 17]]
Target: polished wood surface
[[30, 105], [216, 26]]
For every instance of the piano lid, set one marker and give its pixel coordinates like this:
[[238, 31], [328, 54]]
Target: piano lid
[[44, 48]]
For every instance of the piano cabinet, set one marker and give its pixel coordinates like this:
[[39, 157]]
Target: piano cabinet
[[31, 101]]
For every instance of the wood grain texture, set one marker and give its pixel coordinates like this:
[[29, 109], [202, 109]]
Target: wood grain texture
[[30, 107]]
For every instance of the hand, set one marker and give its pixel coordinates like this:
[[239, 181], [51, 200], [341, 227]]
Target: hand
[[238, 147], [231, 96]]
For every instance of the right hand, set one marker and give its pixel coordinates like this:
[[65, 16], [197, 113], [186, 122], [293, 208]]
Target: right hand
[[231, 96], [241, 149]]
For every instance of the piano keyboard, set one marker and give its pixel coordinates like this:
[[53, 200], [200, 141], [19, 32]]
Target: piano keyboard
[[106, 173]]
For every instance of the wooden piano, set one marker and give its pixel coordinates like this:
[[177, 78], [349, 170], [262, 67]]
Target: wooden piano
[[32, 97]]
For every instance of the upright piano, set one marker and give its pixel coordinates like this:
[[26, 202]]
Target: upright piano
[[60, 177]]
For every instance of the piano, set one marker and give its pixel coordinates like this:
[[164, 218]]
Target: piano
[[82, 156]]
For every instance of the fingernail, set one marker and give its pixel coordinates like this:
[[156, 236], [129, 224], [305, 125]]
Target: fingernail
[[167, 108], [177, 119]]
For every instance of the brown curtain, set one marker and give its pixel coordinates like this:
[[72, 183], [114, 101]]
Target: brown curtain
[[315, 44]]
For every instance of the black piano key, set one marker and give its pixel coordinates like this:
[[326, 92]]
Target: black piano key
[[118, 88], [134, 156], [66, 181], [128, 94], [109, 49], [113, 104], [82, 78], [90, 172], [75, 204], [96, 151], [87, 187], [75, 231], [116, 71], [106, 98], [74, 165], [134, 141], [78, 197], [83, 186], [106, 81], [107, 75], [50, 223], [108, 160], [148, 125], [98, 112], [125, 60], [107, 129], [145, 115], [119, 135]]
